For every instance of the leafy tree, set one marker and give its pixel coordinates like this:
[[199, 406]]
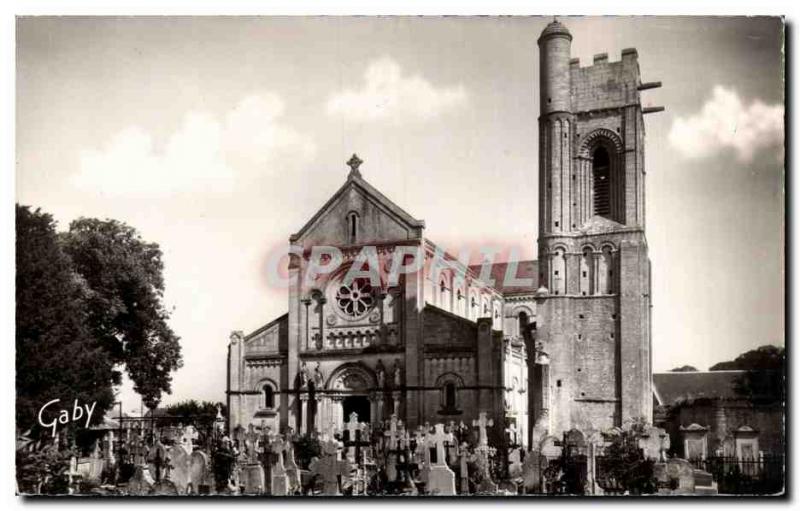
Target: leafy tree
[[307, 447], [764, 357], [192, 408], [684, 369], [88, 303], [56, 355], [625, 467], [125, 310], [43, 470], [764, 379]]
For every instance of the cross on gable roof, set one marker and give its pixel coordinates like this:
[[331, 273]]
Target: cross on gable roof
[[355, 181]]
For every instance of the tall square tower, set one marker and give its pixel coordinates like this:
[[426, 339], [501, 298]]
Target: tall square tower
[[593, 334]]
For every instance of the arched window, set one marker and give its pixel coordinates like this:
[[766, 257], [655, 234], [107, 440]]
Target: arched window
[[522, 324], [601, 177], [586, 272], [352, 227], [269, 396], [444, 294], [605, 277], [559, 270], [473, 307], [450, 396], [449, 384]]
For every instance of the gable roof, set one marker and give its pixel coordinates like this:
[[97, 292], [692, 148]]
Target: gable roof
[[671, 388], [525, 270], [254, 333], [354, 180]]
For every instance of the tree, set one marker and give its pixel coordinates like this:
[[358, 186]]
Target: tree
[[88, 303], [56, 355], [763, 358], [764, 377], [684, 369], [191, 408], [625, 467], [125, 310]]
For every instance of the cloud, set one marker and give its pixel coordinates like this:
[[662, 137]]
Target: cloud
[[205, 154], [726, 123], [386, 93]]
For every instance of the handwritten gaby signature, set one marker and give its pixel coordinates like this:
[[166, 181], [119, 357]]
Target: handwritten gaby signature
[[64, 415]]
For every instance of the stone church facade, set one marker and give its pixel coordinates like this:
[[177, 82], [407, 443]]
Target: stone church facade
[[563, 343]]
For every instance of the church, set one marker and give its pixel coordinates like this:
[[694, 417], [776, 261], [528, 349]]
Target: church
[[383, 321]]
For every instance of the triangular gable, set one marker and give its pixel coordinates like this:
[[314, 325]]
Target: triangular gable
[[376, 198]]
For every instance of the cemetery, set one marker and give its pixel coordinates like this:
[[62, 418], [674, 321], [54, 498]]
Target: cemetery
[[386, 459]]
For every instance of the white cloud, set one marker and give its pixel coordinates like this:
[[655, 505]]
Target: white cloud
[[726, 123], [387, 93], [205, 154]]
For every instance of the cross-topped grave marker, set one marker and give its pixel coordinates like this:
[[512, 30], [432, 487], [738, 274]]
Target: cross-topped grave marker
[[355, 433], [437, 439], [481, 423], [441, 480], [392, 433]]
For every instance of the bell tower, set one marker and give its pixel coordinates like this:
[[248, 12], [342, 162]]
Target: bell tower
[[594, 271]]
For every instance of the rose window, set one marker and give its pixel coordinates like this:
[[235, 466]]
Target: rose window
[[356, 299]]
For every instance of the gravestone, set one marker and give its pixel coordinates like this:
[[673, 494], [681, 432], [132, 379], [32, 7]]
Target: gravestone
[[158, 461], [441, 480], [251, 478], [463, 464], [180, 463], [200, 474], [333, 471], [681, 471], [695, 442], [532, 473], [654, 443], [279, 481], [189, 469], [550, 447], [483, 451], [292, 470], [141, 482], [515, 463]]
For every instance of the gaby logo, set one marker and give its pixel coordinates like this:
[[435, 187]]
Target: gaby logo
[[64, 415]]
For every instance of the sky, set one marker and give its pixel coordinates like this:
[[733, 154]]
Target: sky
[[217, 138]]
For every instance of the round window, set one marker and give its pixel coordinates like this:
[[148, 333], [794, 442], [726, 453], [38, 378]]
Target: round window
[[356, 299]]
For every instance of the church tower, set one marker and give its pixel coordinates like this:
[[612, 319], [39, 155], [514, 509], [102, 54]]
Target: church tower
[[593, 336]]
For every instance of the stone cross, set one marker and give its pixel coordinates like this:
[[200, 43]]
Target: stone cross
[[353, 428], [354, 162], [419, 439], [481, 423], [277, 446], [437, 439], [392, 433], [330, 468], [190, 434], [511, 430]]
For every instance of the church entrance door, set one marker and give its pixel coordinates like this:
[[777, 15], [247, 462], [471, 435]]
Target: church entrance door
[[357, 404]]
